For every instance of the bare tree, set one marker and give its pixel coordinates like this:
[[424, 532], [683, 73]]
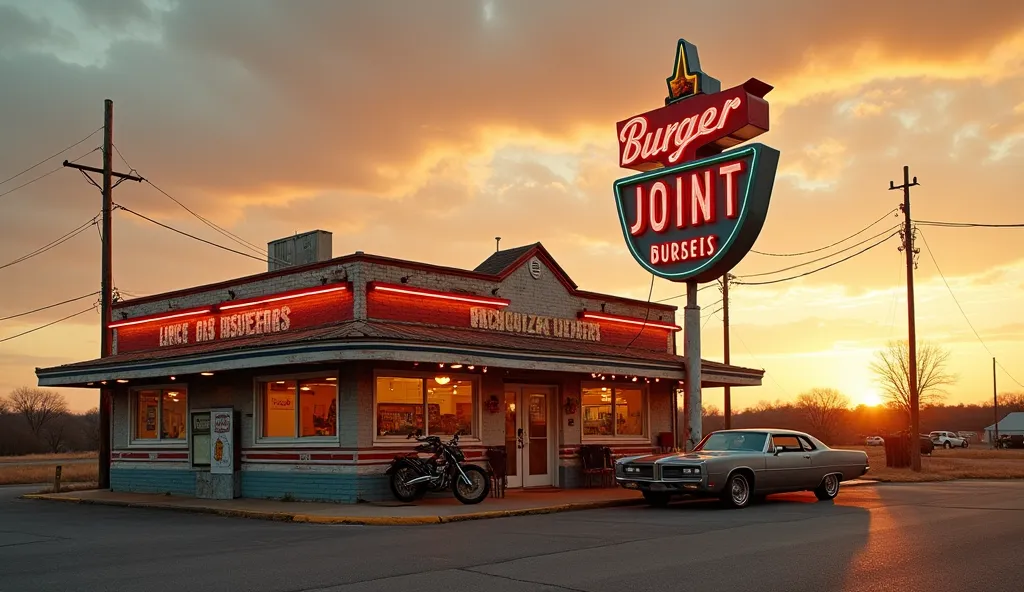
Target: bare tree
[[53, 432], [709, 411], [91, 428], [38, 406], [892, 372], [5, 406], [824, 409]]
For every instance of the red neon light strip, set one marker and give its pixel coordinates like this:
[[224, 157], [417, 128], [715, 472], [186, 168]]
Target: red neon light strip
[[629, 321], [163, 318], [279, 298], [439, 295]]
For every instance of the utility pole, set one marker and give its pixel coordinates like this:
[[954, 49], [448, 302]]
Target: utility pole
[[725, 323], [995, 406], [910, 251], [106, 276], [691, 352]]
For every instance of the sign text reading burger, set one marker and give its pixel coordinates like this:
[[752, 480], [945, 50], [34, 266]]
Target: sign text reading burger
[[695, 211]]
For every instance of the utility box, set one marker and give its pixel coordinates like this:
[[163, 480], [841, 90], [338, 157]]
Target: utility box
[[216, 453], [302, 249]]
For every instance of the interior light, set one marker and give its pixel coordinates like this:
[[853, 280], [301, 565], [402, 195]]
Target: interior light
[[280, 382], [173, 378], [604, 388], [442, 379], [207, 373], [471, 367], [456, 366], [121, 381], [331, 378], [305, 388]]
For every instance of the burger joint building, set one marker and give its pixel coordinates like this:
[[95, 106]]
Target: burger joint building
[[304, 382]]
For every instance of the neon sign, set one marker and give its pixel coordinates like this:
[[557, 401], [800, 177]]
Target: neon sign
[[695, 211]]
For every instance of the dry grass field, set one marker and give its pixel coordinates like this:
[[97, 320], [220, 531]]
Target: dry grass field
[[946, 465], [39, 468]]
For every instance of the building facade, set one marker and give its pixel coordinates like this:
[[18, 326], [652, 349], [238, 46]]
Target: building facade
[[318, 373]]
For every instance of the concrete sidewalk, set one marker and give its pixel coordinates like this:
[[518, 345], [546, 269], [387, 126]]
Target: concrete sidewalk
[[435, 510], [432, 510]]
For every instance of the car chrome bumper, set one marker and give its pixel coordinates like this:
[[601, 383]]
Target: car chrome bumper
[[674, 486]]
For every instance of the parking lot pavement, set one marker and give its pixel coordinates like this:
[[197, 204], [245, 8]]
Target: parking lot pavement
[[879, 538]]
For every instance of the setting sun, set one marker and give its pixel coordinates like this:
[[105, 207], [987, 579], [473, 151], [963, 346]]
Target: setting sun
[[871, 399]]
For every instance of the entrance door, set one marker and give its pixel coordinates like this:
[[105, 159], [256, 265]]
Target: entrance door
[[529, 435]]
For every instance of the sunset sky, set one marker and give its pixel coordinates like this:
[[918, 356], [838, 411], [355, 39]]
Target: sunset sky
[[422, 130]]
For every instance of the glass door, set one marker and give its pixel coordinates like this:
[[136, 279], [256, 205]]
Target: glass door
[[528, 436]]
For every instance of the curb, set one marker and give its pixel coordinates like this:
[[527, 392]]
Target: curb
[[350, 520]]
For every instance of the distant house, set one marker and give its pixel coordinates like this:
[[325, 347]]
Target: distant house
[[1012, 424]]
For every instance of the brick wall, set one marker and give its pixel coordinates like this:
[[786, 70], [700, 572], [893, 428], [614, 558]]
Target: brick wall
[[176, 479]]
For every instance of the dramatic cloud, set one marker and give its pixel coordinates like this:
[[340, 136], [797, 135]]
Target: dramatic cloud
[[424, 130]]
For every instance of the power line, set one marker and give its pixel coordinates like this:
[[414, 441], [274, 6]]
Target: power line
[[48, 307], [931, 255], [55, 243], [46, 174], [964, 224], [859, 232], [50, 324], [54, 155], [683, 295], [853, 246], [192, 236], [834, 263]]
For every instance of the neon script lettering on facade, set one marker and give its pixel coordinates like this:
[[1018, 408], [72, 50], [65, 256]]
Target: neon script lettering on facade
[[257, 322], [515, 322]]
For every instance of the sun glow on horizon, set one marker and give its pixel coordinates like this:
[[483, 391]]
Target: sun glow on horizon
[[871, 398]]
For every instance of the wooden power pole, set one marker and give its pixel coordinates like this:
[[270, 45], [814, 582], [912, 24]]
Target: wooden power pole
[[725, 324], [910, 251], [106, 277], [995, 406]]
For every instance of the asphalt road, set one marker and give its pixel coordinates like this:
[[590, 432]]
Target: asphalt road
[[906, 538]]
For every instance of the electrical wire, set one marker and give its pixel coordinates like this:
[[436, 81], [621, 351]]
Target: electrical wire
[[931, 255], [47, 174], [50, 324], [859, 232], [54, 155], [964, 224], [192, 236], [824, 267], [55, 243], [830, 255], [647, 315], [683, 295], [48, 307]]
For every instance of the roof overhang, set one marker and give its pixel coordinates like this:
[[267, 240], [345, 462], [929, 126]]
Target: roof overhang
[[320, 352]]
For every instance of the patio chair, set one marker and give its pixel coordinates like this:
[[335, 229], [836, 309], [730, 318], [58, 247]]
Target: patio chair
[[497, 458], [596, 462]]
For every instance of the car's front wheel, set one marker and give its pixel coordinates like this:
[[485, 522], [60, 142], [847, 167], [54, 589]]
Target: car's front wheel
[[965, 444], [737, 492], [658, 499], [947, 445], [828, 489]]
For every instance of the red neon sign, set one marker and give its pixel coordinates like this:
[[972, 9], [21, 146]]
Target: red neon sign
[[425, 293], [280, 298], [154, 319], [628, 321]]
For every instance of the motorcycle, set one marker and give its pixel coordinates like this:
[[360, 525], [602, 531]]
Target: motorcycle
[[411, 476]]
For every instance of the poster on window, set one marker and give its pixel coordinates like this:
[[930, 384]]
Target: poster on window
[[222, 459]]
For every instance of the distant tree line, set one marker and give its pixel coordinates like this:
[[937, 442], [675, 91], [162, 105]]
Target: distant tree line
[[34, 420]]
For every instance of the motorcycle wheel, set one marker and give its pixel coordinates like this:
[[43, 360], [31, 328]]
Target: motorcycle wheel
[[478, 490], [403, 492]]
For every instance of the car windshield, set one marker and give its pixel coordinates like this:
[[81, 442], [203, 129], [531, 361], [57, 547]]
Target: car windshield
[[747, 441]]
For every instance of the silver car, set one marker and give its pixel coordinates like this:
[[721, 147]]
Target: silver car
[[740, 465]]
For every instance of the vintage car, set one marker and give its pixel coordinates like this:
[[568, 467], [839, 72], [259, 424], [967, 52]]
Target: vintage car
[[738, 466]]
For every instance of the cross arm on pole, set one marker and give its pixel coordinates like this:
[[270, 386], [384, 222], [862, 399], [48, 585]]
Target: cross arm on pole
[[83, 167]]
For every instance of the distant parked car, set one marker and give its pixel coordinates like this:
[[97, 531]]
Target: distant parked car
[[1010, 441], [875, 441], [947, 440]]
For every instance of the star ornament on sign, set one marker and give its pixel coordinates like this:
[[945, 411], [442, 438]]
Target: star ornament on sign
[[688, 79], [696, 207]]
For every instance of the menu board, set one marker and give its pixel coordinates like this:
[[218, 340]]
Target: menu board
[[201, 439]]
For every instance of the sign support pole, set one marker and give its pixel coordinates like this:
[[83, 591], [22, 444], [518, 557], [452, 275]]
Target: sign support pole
[[691, 350], [995, 406]]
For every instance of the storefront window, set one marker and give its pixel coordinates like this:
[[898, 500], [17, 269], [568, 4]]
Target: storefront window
[[160, 414], [612, 412], [299, 408], [400, 404]]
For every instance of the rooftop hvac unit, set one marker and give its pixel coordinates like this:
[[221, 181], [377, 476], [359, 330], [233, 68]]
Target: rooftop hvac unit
[[301, 249]]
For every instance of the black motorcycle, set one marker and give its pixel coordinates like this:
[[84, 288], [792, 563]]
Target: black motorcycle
[[411, 476]]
